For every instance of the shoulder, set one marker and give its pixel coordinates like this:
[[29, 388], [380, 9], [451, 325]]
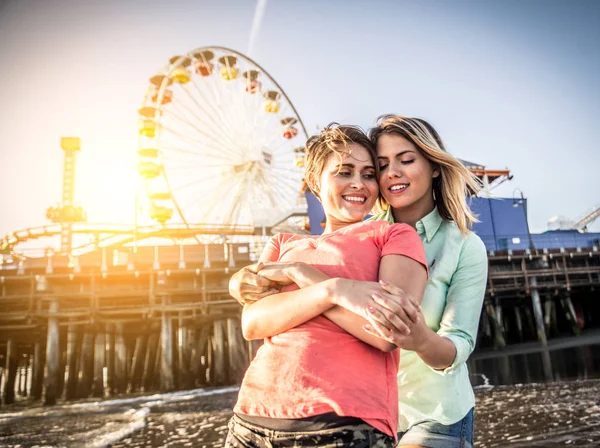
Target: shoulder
[[470, 248], [279, 244], [474, 244], [392, 235], [382, 232], [459, 246], [384, 227], [467, 241], [474, 252], [283, 238], [363, 228]]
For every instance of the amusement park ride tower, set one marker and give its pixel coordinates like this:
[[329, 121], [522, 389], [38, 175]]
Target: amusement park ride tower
[[67, 213]]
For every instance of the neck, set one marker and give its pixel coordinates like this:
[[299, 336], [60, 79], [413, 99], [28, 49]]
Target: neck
[[411, 215], [331, 225]]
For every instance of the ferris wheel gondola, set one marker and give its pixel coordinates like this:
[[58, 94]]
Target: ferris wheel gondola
[[218, 143]]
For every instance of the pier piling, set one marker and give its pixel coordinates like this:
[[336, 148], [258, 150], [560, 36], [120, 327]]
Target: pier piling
[[74, 341], [99, 362], [37, 375], [537, 311], [167, 380], [53, 356], [11, 371]]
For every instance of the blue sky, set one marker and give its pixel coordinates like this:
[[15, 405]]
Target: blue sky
[[507, 84]]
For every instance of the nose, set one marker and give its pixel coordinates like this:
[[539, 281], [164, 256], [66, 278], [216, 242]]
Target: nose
[[358, 182], [393, 170]]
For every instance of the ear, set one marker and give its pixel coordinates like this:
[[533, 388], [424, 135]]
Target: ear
[[313, 183], [436, 172]]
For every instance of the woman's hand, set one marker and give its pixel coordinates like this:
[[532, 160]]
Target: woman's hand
[[246, 286], [279, 272], [391, 309], [285, 273], [260, 280]]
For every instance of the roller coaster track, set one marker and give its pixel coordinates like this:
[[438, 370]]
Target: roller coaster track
[[109, 234]]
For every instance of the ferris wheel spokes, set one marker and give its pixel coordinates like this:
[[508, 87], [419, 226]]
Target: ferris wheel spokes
[[196, 144], [215, 144], [209, 114], [224, 138]]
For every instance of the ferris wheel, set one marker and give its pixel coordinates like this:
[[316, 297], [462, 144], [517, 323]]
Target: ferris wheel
[[220, 143]]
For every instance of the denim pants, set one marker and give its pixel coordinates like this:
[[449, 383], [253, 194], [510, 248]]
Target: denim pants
[[435, 435], [246, 435]]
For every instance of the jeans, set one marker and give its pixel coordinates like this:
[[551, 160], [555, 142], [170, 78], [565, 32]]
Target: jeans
[[435, 435], [246, 435]]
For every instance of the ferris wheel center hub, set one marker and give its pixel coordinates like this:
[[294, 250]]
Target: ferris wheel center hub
[[246, 167]]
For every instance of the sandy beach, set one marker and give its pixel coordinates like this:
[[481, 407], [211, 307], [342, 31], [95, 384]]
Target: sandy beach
[[535, 415]]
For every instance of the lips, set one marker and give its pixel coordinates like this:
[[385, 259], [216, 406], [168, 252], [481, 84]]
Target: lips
[[355, 198], [398, 188]]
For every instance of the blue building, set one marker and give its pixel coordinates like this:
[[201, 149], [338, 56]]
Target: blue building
[[503, 226]]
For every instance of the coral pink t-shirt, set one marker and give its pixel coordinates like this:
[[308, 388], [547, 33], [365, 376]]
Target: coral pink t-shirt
[[318, 367]]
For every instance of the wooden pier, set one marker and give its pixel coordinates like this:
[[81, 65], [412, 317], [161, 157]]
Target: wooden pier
[[112, 321], [537, 294]]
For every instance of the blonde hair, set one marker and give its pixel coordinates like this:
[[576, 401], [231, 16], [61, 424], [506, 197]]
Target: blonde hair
[[455, 181], [333, 139]]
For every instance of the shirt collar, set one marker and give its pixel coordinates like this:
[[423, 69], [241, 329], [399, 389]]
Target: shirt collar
[[428, 225]]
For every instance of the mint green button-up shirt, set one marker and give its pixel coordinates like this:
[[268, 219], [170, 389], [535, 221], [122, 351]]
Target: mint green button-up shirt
[[451, 306]]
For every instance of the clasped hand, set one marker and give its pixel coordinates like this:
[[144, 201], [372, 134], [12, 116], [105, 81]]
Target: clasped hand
[[259, 280], [392, 314], [397, 318]]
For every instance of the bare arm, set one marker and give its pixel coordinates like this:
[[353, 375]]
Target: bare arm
[[353, 298], [280, 312], [273, 316]]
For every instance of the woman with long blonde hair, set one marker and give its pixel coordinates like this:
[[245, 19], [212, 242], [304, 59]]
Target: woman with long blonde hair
[[424, 186]]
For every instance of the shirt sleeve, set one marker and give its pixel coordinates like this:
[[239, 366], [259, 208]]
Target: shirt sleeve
[[464, 299], [402, 239], [271, 250]]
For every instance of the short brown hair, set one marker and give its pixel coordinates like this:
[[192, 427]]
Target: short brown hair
[[334, 139]]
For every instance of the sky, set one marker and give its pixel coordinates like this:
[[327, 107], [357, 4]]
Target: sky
[[508, 84]]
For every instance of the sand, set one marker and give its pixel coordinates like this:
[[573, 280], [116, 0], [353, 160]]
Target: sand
[[534, 415]]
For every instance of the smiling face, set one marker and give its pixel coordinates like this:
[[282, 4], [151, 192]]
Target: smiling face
[[406, 178], [347, 187]]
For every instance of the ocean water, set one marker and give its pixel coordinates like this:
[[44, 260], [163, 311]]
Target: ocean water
[[536, 365]]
